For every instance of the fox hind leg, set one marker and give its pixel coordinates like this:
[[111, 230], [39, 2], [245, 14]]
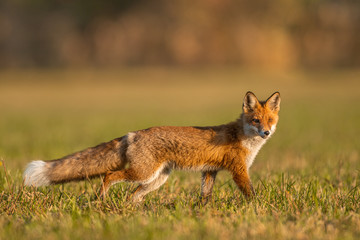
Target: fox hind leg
[[146, 188], [148, 179], [115, 177]]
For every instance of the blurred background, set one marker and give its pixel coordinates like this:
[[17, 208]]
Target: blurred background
[[260, 34], [76, 73]]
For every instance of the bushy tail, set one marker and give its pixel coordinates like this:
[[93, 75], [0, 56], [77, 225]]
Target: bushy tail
[[88, 163]]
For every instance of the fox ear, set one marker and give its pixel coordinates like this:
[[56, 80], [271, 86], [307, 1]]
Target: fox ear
[[250, 102], [273, 102]]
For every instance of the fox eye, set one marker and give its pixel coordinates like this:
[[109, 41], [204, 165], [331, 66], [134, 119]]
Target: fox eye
[[255, 120]]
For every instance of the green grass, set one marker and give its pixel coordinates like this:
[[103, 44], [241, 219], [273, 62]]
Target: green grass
[[307, 177]]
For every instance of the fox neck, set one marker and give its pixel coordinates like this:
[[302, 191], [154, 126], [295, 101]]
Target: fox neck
[[251, 141]]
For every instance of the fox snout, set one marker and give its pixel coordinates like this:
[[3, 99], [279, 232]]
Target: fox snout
[[264, 134], [258, 131]]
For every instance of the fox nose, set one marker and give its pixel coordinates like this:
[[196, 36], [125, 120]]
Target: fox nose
[[267, 133]]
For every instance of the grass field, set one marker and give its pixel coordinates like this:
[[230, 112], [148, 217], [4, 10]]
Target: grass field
[[307, 177]]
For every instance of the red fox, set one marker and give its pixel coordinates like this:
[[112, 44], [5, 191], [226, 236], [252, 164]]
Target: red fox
[[148, 156]]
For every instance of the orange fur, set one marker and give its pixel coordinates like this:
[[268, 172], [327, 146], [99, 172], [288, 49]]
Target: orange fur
[[151, 154]]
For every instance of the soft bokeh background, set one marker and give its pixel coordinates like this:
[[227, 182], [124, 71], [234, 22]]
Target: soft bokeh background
[[260, 34], [75, 73], [81, 72]]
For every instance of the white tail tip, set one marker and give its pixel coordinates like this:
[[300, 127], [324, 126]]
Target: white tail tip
[[35, 174]]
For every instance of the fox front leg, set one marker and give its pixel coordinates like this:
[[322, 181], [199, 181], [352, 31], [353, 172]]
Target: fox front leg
[[207, 184], [243, 181]]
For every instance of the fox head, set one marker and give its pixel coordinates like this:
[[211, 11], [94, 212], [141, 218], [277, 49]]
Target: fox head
[[260, 117]]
